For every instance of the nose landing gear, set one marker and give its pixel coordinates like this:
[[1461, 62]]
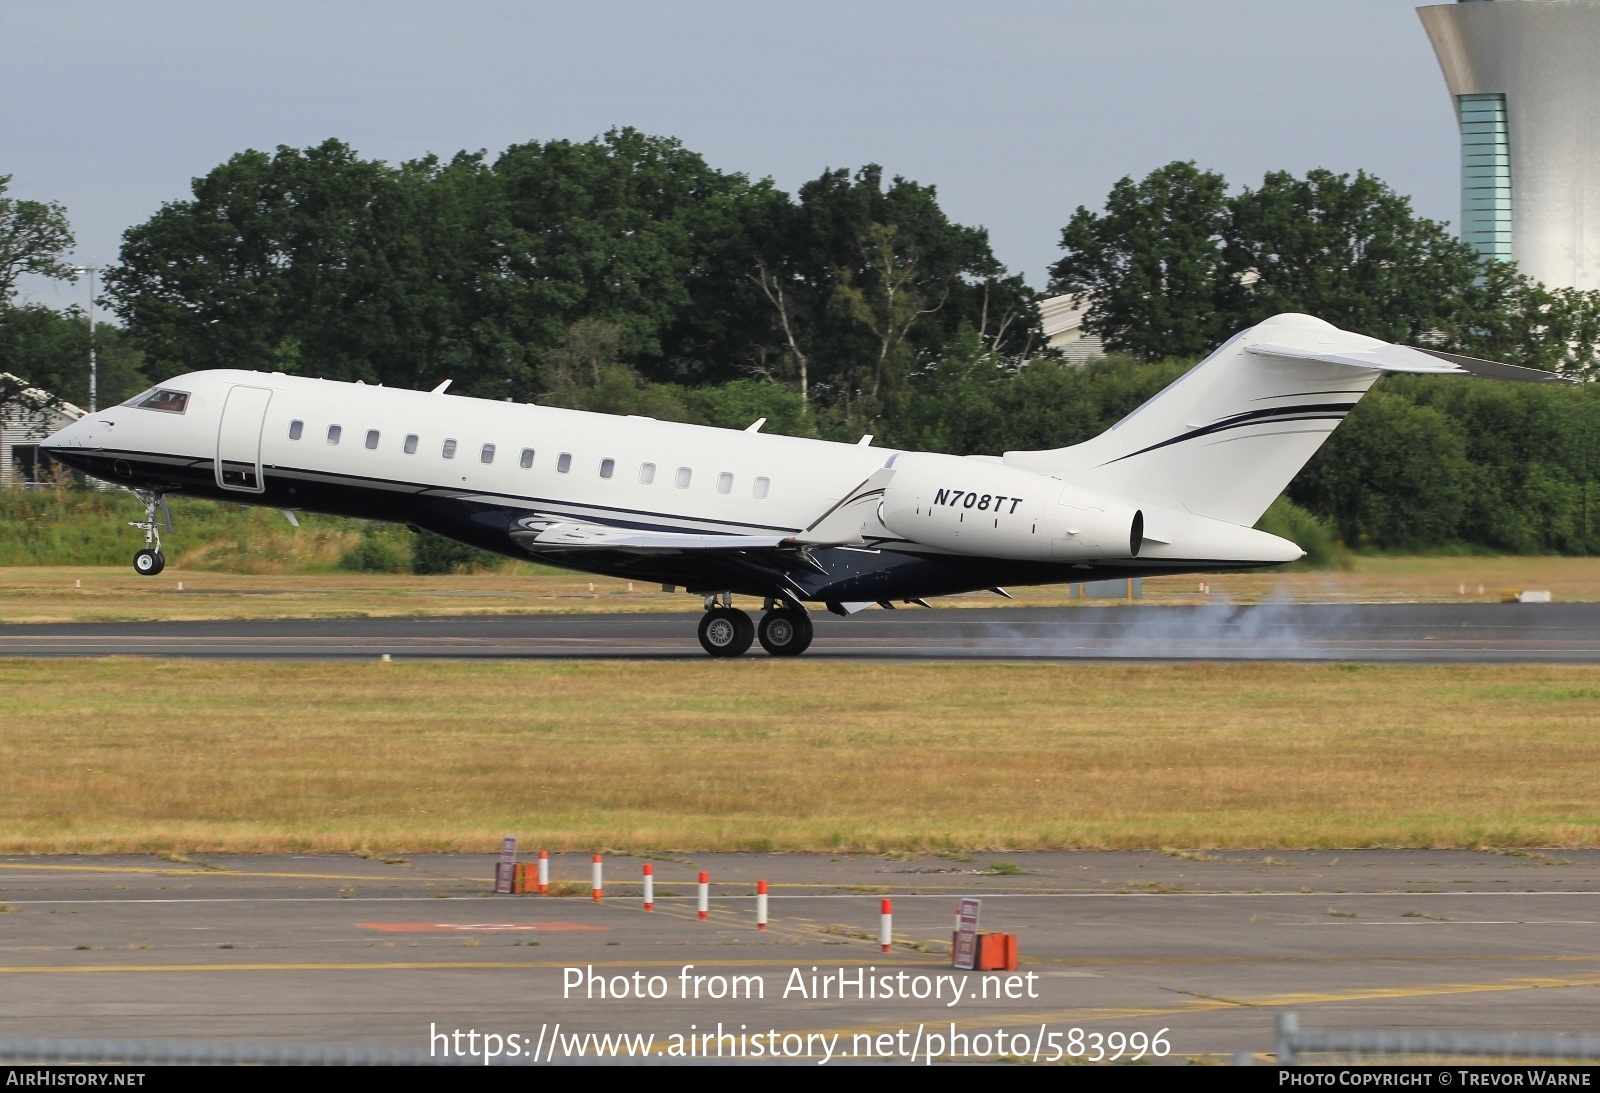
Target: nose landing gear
[[150, 561]]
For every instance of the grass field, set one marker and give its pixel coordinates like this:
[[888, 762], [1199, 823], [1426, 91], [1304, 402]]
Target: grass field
[[124, 755], [99, 594]]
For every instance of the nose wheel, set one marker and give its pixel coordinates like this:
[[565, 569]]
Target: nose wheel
[[726, 632], [150, 561], [785, 632]]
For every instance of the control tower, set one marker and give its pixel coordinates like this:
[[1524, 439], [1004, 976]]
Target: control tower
[[1525, 79]]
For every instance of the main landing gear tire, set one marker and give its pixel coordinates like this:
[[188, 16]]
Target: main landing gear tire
[[785, 632], [725, 632], [147, 563]]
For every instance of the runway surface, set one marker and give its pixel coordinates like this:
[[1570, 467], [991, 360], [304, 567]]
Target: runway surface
[[1415, 633], [366, 952]]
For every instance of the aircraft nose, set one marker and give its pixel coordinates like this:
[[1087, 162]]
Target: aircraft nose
[[70, 436], [78, 434]]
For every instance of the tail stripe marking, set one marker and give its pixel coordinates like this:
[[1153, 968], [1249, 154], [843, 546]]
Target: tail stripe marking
[[1327, 411]]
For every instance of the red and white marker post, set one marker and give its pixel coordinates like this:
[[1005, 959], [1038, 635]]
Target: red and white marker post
[[544, 872], [761, 905], [595, 885], [886, 925], [649, 887], [705, 896]]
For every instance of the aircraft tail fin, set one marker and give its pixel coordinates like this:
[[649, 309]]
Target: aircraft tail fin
[[1226, 438]]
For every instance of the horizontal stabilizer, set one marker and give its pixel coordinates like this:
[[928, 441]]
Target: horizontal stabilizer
[[1494, 370], [1379, 358], [1405, 358]]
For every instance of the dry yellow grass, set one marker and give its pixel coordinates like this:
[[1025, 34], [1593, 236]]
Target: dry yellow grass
[[122, 755], [51, 594]]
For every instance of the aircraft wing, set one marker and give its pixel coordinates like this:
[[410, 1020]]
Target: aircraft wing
[[535, 533], [842, 524]]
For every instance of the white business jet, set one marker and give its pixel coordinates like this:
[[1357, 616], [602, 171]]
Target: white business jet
[[1174, 487]]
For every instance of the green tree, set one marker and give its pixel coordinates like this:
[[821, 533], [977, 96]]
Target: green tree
[[1515, 319], [35, 238], [1175, 266], [865, 283], [50, 350], [1151, 267], [1394, 475], [318, 262], [635, 231], [1347, 250], [738, 403]]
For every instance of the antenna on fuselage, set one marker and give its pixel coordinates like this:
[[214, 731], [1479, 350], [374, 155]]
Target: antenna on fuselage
[[439, 390]]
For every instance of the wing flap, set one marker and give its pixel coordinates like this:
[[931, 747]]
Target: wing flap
[[536, 533]]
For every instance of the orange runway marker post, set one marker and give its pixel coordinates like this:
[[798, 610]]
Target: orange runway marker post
[[886, 925], [544, 872], [705, 896], [649, 887], [595, 885], [761, 905]]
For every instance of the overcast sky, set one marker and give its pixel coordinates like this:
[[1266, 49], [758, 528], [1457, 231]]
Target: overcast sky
[[1017, 110]]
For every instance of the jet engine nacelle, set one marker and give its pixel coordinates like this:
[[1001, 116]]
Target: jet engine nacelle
[[973, 506]]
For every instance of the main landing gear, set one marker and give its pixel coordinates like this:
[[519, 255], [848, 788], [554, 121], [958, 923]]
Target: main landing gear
[[150, 561], [784, 631]]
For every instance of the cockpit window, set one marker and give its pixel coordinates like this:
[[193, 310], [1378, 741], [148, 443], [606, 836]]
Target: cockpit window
[[168, 402]]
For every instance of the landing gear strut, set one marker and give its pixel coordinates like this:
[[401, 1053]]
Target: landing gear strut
[[725, 631], [150, 561]]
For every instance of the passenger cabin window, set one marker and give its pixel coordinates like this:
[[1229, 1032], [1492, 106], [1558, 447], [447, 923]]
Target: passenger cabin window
[[563, 462], [296, 429], [684, 475], [527, 458], [763, 485], [334, 432], [449, 449], [411, 444], [725, 482], [647, 473], [487, 454], [372, 439], [168, 402], [608, 467]]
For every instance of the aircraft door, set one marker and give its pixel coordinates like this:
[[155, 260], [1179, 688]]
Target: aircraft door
[[244, 416]]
